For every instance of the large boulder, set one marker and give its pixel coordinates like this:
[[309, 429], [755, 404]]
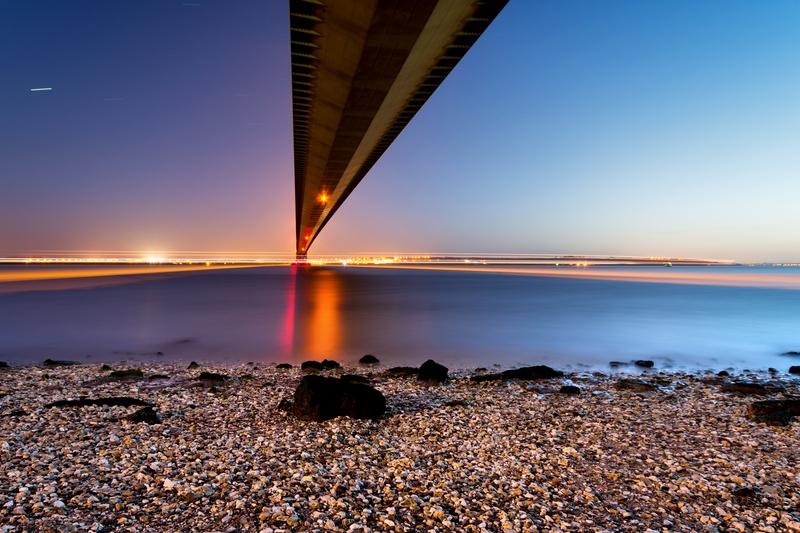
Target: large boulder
[[51, 363], [794, 369], [283, 366], [432, 371], [330, 364], [526, 373], [321, 398], [644, 363]]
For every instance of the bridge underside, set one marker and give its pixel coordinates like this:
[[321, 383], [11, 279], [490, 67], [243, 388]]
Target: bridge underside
[[361, 69]]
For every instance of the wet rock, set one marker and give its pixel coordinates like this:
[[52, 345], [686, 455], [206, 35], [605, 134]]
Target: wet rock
[[212, 376], [644, 363], [792, 353], [634, 385], [3, 364], [130, 373], [617, 364], [369, 359], [354, 378], [794, 369], [111, 401], [193, 365], [723, 373], [481, 370], [774, 412], [321, 398], [402, 371], [147, 415], [569, 389], [51, 363], [526, 373], [156, 377], [744, 387], [432, 371], [105, 368], [283, 366], [14, 414], [330, 364], [772, 370], [312, 365]]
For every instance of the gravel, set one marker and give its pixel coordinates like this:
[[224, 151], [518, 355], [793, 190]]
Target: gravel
[[501, 456]]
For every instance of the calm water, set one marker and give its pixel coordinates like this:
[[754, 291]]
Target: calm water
[[403, 316]]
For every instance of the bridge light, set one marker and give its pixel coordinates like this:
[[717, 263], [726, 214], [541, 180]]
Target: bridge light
[[323, 197]]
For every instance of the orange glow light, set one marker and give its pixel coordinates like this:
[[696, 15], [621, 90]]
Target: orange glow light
[[323, 197]]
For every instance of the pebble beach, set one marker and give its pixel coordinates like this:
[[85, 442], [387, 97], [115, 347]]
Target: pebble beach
[[679, 453]]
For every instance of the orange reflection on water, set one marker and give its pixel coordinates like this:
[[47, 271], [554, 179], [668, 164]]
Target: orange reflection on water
[[323, 334]]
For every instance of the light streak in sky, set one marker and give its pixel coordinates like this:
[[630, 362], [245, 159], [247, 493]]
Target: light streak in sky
[[41, 89]]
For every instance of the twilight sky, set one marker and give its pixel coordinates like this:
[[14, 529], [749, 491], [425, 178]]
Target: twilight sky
[[626, 127]]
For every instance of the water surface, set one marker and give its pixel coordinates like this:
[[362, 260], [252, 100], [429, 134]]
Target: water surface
[[462, 318]]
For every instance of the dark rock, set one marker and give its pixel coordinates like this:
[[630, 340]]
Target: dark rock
[[160, 354], [14, 414], [616, 364], [283, 366], [569, 389], [644, 363], [312, 365], [286, 405], [526, 373], [354, 378], [192, 366], [3, 364], [792, 353], [634, 385], [432, 371], [723, 373], [146, 414], [120, 401], [456, 403], [794, 369], [774, 412], [481, 370], [155, 377], [321, 398], [50, 363], [105, 368], [330, 364], [131, 373], [744, 494], [212, 376], [772, 370], [369, 359], [744, 387], [402, 371]]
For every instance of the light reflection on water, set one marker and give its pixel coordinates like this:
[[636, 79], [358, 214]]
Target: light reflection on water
[[403, 316]]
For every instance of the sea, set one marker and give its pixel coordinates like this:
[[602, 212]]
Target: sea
[[464, 316]]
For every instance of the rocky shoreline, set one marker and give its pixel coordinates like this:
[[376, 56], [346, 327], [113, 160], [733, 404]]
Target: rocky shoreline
[[163, 447]]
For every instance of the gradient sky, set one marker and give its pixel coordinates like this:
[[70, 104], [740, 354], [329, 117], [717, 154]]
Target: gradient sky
[[626, 127]]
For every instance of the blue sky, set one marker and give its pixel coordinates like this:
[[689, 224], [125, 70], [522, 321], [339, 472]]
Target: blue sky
[[637, 128]]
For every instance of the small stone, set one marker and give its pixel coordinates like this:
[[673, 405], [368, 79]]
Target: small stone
[[644, 363], [432, 371], [368, 359]]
